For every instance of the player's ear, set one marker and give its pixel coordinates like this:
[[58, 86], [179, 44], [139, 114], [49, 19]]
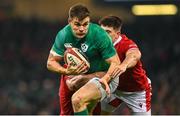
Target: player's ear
[[69, 20]]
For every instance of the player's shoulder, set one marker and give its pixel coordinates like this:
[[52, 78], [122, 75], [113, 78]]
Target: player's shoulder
[[128, 43], [126, 40], [65, 30], [64, 33], [96, 33], [96, 28]]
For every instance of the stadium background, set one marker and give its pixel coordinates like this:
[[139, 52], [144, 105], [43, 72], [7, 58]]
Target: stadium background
[[28, 29]]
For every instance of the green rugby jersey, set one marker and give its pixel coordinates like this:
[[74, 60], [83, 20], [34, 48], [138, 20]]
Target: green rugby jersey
[[96, 45]]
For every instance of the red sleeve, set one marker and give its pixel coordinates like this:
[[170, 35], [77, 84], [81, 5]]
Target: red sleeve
[[129, 44]]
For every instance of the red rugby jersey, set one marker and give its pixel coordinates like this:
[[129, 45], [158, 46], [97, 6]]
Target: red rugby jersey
[[134, 79]]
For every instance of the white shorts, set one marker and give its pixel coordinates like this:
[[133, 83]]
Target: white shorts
[[113, 85], [139, 102]]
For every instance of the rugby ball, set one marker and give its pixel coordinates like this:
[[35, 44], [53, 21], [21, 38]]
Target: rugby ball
[[74, 56]]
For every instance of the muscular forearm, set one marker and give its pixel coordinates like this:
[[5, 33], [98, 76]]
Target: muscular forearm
[[56, 67], [77, 82], [131, 59], [114, 62], [109, 74], [53, 64]]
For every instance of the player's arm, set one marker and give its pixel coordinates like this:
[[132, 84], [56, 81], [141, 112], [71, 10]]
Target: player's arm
[[75, 82], [108, 52], [114, 62], [54, 65], [56, 55], [132, 57]]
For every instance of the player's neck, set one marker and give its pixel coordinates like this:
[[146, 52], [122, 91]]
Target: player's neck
[[117, 40]]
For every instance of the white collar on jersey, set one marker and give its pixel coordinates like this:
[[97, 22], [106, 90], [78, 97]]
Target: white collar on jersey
[[117, 40]]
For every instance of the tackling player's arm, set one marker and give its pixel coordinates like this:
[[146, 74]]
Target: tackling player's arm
[[132, 57], [76, 82]]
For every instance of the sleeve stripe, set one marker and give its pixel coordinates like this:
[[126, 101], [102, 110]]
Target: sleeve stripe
[[132, 48], [54, 53]]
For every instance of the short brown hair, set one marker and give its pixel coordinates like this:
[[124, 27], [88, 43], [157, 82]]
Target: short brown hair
[[111, 21], [79, 10]]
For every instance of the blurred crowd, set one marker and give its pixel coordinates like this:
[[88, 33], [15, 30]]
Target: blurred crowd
[[27, 87]]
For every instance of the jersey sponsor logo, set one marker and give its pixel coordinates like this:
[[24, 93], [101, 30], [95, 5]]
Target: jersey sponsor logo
[[84, 47], [68, 45], [140, 104]]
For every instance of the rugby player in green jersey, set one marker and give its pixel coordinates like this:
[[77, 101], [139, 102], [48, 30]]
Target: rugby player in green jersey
[[94, 42]]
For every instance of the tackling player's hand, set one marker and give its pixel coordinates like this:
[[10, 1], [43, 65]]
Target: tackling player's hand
[[104, 80], [75, 71], [119, 69]]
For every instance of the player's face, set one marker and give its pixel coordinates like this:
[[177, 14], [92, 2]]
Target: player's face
[[79, 28], [112, 32]]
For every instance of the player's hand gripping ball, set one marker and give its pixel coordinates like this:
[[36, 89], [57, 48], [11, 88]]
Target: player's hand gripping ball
[[74, 57]]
